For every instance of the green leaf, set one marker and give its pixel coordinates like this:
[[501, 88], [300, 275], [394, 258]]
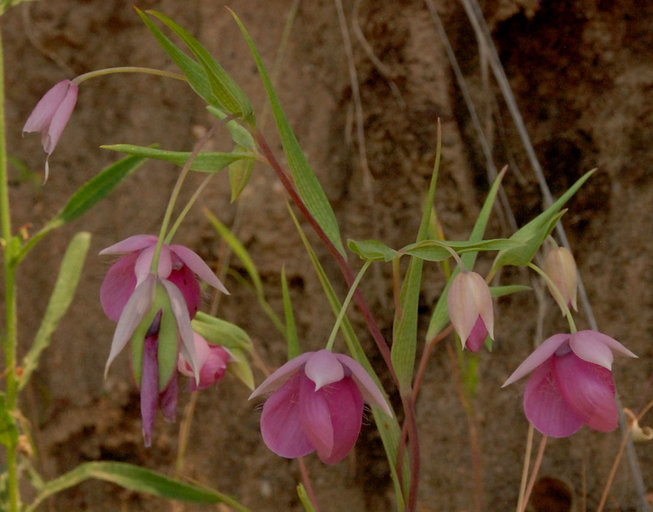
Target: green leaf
[[8, 429], [435, 250], [291, 330], [220, 332], [134, 478], [91, 193], [226, 91], [239, 173], [372, 250], [533, 234], [203, 162], [308, 187], [62, 295], [239, 134], [191, 69], [501, 291]]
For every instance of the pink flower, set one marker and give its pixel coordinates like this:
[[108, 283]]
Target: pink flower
[[470, 309], [316, 405], [212, 360], [51, 115], [560, 266], [154, 312], [571, 384]]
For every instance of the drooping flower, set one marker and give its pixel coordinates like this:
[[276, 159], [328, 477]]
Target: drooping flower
[[470, 309], [316, 405], [571, 384], [212, 360], [51, 115], [560, 266], [154, 312]]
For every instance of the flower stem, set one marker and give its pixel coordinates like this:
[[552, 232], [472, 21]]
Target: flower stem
[[9, 340], [536, 469], [558, 296], [345, 305], [127, 69], [527, 461]]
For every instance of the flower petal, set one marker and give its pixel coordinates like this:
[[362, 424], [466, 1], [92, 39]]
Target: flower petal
[[345, 403], [281, 375], [315, 415], [545, 407], [461, 305], [149, 388], [589, 390], [589, 347], [323, 368], [197, 265], [184, 279], [213, 369], [137, 306], [184, 328], [546, 349], [606, 340], [168, 399], [133, 243], [477, 336], [60, 119], [118, 285], [280, 425], [370, 391], [45, 109]]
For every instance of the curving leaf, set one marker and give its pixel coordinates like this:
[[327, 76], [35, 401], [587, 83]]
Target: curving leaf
[[372, 250]]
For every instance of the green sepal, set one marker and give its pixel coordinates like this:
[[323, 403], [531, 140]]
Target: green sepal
[[217, 331], [226, 91], [372, 250], [159, 302], [168, 347], [240, 368]]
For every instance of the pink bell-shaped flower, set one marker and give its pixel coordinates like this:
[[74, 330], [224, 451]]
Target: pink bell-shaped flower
[[470, 309], [560, 266], [316, 405], [571, 384], [212, 361], [51, 115]]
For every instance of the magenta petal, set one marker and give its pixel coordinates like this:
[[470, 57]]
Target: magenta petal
[[168, 399], [477, 336], [589, 390], [46, 108], [131, 244], [60, 118], [589, 347], [149, 388], [197, 265], [345, 403], [315, 415], [370, 391], [323, 368], [117, 286], [281, 375], [539, 355], [545, 407], [213, 368], [184, 329], [184, 279], [280, 425]]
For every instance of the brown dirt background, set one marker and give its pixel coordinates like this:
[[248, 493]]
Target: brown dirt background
[[583, 76]]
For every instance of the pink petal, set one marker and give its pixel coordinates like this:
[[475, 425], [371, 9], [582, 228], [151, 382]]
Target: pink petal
[[179, 309], [213, 369], [345, 403], [315, 415], [168, 399], [137, 306], [539, 355], [133, 243], [60, 119], [149, 388], [461, 305], [201, 350], [599, 337], [366, 385], [117, 286], [280, 425], [184, 279], [587, 346], [197, 265], [477, 336], [281, 375], [545, 407], [323, 368], [589, 391], [143, 265], [45, 109]]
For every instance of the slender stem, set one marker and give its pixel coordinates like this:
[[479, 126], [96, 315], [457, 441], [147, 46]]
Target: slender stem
[[10, 339], [424, 361], [613, 470], [536, 469], [127, 69], [186, 209], [558, 296], [345, 305], [527, 461], [306, 479]]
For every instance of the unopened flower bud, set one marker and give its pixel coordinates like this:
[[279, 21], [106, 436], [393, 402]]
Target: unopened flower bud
[[470, 309], [560, 266]]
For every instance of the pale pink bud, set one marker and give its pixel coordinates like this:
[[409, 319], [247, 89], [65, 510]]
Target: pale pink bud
[[470, 309], [560, 266]]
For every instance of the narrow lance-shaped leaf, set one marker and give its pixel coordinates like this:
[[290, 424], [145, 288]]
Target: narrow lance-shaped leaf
[[203, 162], [436, 250], [291, 331], [308, 186], [62, 295]]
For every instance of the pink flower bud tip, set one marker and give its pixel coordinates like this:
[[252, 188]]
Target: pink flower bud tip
[[470, 309]]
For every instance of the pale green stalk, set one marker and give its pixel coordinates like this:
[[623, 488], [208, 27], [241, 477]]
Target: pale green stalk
[[127, 69], [9, 339]]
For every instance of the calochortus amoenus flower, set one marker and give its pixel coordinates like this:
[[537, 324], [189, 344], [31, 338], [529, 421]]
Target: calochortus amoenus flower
[[571, 384], [470, 309], [316, 405], [51, 115], [560, 267], [154, 312]]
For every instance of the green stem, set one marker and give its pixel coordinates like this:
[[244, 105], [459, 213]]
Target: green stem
[[9, 339], [558, 296], [127, 69], [345, 305]]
